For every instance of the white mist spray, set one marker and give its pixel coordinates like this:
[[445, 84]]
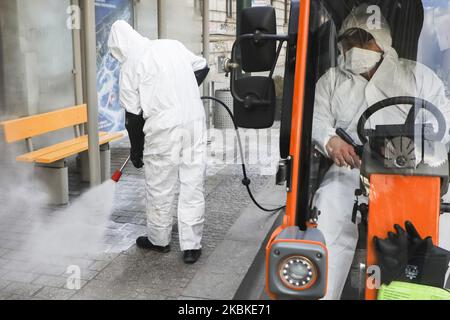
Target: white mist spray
[[36, 234], [77, 230]]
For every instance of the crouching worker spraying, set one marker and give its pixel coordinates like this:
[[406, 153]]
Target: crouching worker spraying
[[166, 122]]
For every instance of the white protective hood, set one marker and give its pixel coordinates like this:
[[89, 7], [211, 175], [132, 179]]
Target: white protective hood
[[372, 21], [124, 40]]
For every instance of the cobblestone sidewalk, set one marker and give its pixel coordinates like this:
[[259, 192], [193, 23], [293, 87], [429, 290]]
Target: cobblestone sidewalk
[[123, 271]]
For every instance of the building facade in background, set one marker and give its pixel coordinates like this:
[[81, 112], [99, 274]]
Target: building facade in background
[[223, 15], [37, 69]]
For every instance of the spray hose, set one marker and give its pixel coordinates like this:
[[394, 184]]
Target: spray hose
[[246, 181]]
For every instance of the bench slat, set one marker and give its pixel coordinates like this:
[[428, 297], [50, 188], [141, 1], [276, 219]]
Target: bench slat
[[32, 156], [29, 127], [75, 149], [65, 149]]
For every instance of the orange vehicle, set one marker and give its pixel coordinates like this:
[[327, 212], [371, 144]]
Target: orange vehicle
[[404, 173]]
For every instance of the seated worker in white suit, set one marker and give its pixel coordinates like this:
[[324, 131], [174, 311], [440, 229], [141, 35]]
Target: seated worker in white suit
[[369, 70]]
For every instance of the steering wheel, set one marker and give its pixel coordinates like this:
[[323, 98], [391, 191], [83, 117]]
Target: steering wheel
[[416, 103]]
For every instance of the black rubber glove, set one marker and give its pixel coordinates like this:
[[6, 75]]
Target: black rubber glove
[[428, 266], [201, 75], [135, 127], [418, 245], [406, 257], [414, 238], [427, 263], [392, 254]]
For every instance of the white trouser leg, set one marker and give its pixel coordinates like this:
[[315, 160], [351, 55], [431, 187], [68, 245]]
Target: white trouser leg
[[444, 233], [335, 199], [191, 206], [444, 226], [161, 158]]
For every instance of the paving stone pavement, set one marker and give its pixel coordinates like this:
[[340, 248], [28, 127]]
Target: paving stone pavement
[[122, 271]]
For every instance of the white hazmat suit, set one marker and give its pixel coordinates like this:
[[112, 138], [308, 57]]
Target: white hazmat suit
[[157, 78], [341, 98]]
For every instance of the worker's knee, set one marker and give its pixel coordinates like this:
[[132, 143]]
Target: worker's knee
[[335, 222], [161, 218], [191, 220], [192, 194]]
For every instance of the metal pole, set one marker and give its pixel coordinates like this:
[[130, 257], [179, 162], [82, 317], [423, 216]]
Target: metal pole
[[160, 22], [77, 60], [91, 91], [241, 5], [206, 54], [135, 15]]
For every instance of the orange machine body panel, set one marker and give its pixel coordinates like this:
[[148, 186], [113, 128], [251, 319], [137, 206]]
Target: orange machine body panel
[[296, 129], [297, 112], [395, 199]]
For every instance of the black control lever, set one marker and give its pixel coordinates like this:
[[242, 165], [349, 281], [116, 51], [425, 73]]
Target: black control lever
[[445, 208], [345, 136]]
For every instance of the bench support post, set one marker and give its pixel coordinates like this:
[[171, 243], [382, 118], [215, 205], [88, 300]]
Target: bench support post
[[29, 145], [55, 177], [105, 160]]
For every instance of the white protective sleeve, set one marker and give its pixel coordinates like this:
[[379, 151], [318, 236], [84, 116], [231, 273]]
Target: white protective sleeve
[[198, 63], [129, 92], [324, 122]]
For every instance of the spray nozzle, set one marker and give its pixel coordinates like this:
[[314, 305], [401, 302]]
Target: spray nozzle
[[118, 174]]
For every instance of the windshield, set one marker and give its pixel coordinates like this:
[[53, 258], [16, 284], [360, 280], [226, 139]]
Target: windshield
[[381, 72], [378, 80], [369, 53]]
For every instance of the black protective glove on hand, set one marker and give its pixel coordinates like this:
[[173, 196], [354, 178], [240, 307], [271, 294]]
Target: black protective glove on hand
[[417, 243], [392, 254], [201, 75], [427, 263], [406, 257], [135, 127]]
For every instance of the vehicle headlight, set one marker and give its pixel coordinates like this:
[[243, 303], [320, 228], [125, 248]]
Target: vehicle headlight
[[298, 272], [297, 265]]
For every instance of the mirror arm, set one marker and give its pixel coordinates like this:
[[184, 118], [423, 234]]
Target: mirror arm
[[233, 73], [258, 36], [280, 47]]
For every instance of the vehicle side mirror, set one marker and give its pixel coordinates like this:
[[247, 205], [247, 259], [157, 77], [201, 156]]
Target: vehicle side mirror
[[257, 109], [258, 55]]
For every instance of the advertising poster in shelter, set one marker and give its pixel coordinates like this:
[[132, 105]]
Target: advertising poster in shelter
[[111, 115]]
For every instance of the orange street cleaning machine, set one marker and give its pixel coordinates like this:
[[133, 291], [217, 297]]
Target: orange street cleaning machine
[[399, 186]]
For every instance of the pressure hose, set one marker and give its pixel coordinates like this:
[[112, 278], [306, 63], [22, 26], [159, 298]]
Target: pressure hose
[[246, 181]]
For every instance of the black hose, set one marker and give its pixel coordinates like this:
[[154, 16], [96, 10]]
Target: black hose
[[246, 181]]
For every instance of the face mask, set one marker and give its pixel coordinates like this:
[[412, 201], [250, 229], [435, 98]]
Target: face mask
[[359, 61]]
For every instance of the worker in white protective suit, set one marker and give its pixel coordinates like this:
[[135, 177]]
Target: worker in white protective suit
[[369, 70], [158, 82]]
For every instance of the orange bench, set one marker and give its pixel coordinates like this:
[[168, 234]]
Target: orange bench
[[50, 162]]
